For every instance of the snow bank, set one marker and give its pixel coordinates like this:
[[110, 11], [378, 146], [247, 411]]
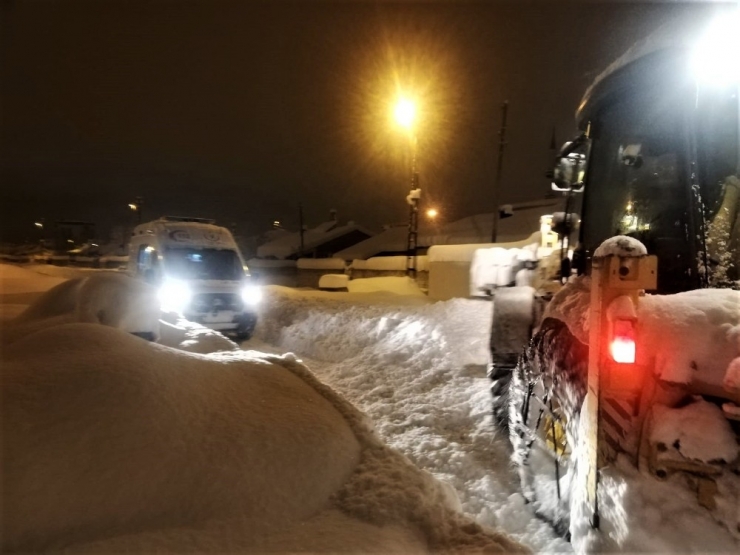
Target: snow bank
[[145, 448], [334, 281], [397, 285], [17, 280], [382, 263], [418, 371], [698, 431], [107, 298], [178, 333], [692, 336], [125, 435]]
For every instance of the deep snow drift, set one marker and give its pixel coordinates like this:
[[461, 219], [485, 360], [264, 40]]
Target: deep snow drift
[[417, 369], [113, 444]]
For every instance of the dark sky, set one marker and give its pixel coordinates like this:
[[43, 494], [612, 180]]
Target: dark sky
[[241, 110]]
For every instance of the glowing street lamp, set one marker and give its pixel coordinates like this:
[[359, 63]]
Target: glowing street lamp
[[405, 113], [432, 213], [405, 116]]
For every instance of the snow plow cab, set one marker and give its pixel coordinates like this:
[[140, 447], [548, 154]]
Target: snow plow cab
[[618, 389], [199, 272]]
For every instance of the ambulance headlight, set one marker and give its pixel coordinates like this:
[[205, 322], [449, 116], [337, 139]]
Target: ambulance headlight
[[174, 296], [251, 295]]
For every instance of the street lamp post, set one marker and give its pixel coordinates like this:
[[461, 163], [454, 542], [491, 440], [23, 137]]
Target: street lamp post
[[405, 114]]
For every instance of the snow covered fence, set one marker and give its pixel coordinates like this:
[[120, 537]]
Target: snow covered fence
[[307, 272], [274, 272], [310, 270], [390, 266]]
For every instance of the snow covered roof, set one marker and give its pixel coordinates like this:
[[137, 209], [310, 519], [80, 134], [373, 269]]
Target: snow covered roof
[[476, 229], [290, 243], [184, 232]]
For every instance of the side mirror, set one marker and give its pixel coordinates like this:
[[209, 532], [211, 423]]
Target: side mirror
[[569, 173], [631, 155]]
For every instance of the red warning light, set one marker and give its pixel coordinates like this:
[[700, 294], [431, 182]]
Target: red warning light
[[622, 345]]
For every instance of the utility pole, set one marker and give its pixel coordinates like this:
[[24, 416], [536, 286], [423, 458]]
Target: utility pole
[[413, 200], [497, 183]]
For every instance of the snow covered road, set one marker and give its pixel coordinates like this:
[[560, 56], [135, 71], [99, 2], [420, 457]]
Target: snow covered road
[[417, 369]]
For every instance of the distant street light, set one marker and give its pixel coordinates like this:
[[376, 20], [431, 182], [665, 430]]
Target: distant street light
[[39, 225], [137, 207], [432, 213], [405, 115]]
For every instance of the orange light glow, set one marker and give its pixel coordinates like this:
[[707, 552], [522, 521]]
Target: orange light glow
[[622, 346], [405, 113]]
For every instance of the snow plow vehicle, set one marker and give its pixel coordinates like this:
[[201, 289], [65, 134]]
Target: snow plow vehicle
[[199, 272], [620, 403]]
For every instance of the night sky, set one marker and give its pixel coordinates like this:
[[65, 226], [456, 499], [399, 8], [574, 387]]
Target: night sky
[[240, 110]]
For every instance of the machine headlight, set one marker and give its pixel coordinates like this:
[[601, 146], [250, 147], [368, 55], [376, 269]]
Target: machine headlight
[[174, 295], [251, 294], [716, 56]]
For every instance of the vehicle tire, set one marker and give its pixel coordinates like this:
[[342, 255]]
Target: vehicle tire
[[500, 373], [243, 335], [245, 330], [511, 330], [545, 398]]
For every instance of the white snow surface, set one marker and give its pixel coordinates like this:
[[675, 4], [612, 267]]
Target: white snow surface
[[390, 263], [416, 370], [115, 444], [697, 432], [693, 336], [396, 285], [333, 281]]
